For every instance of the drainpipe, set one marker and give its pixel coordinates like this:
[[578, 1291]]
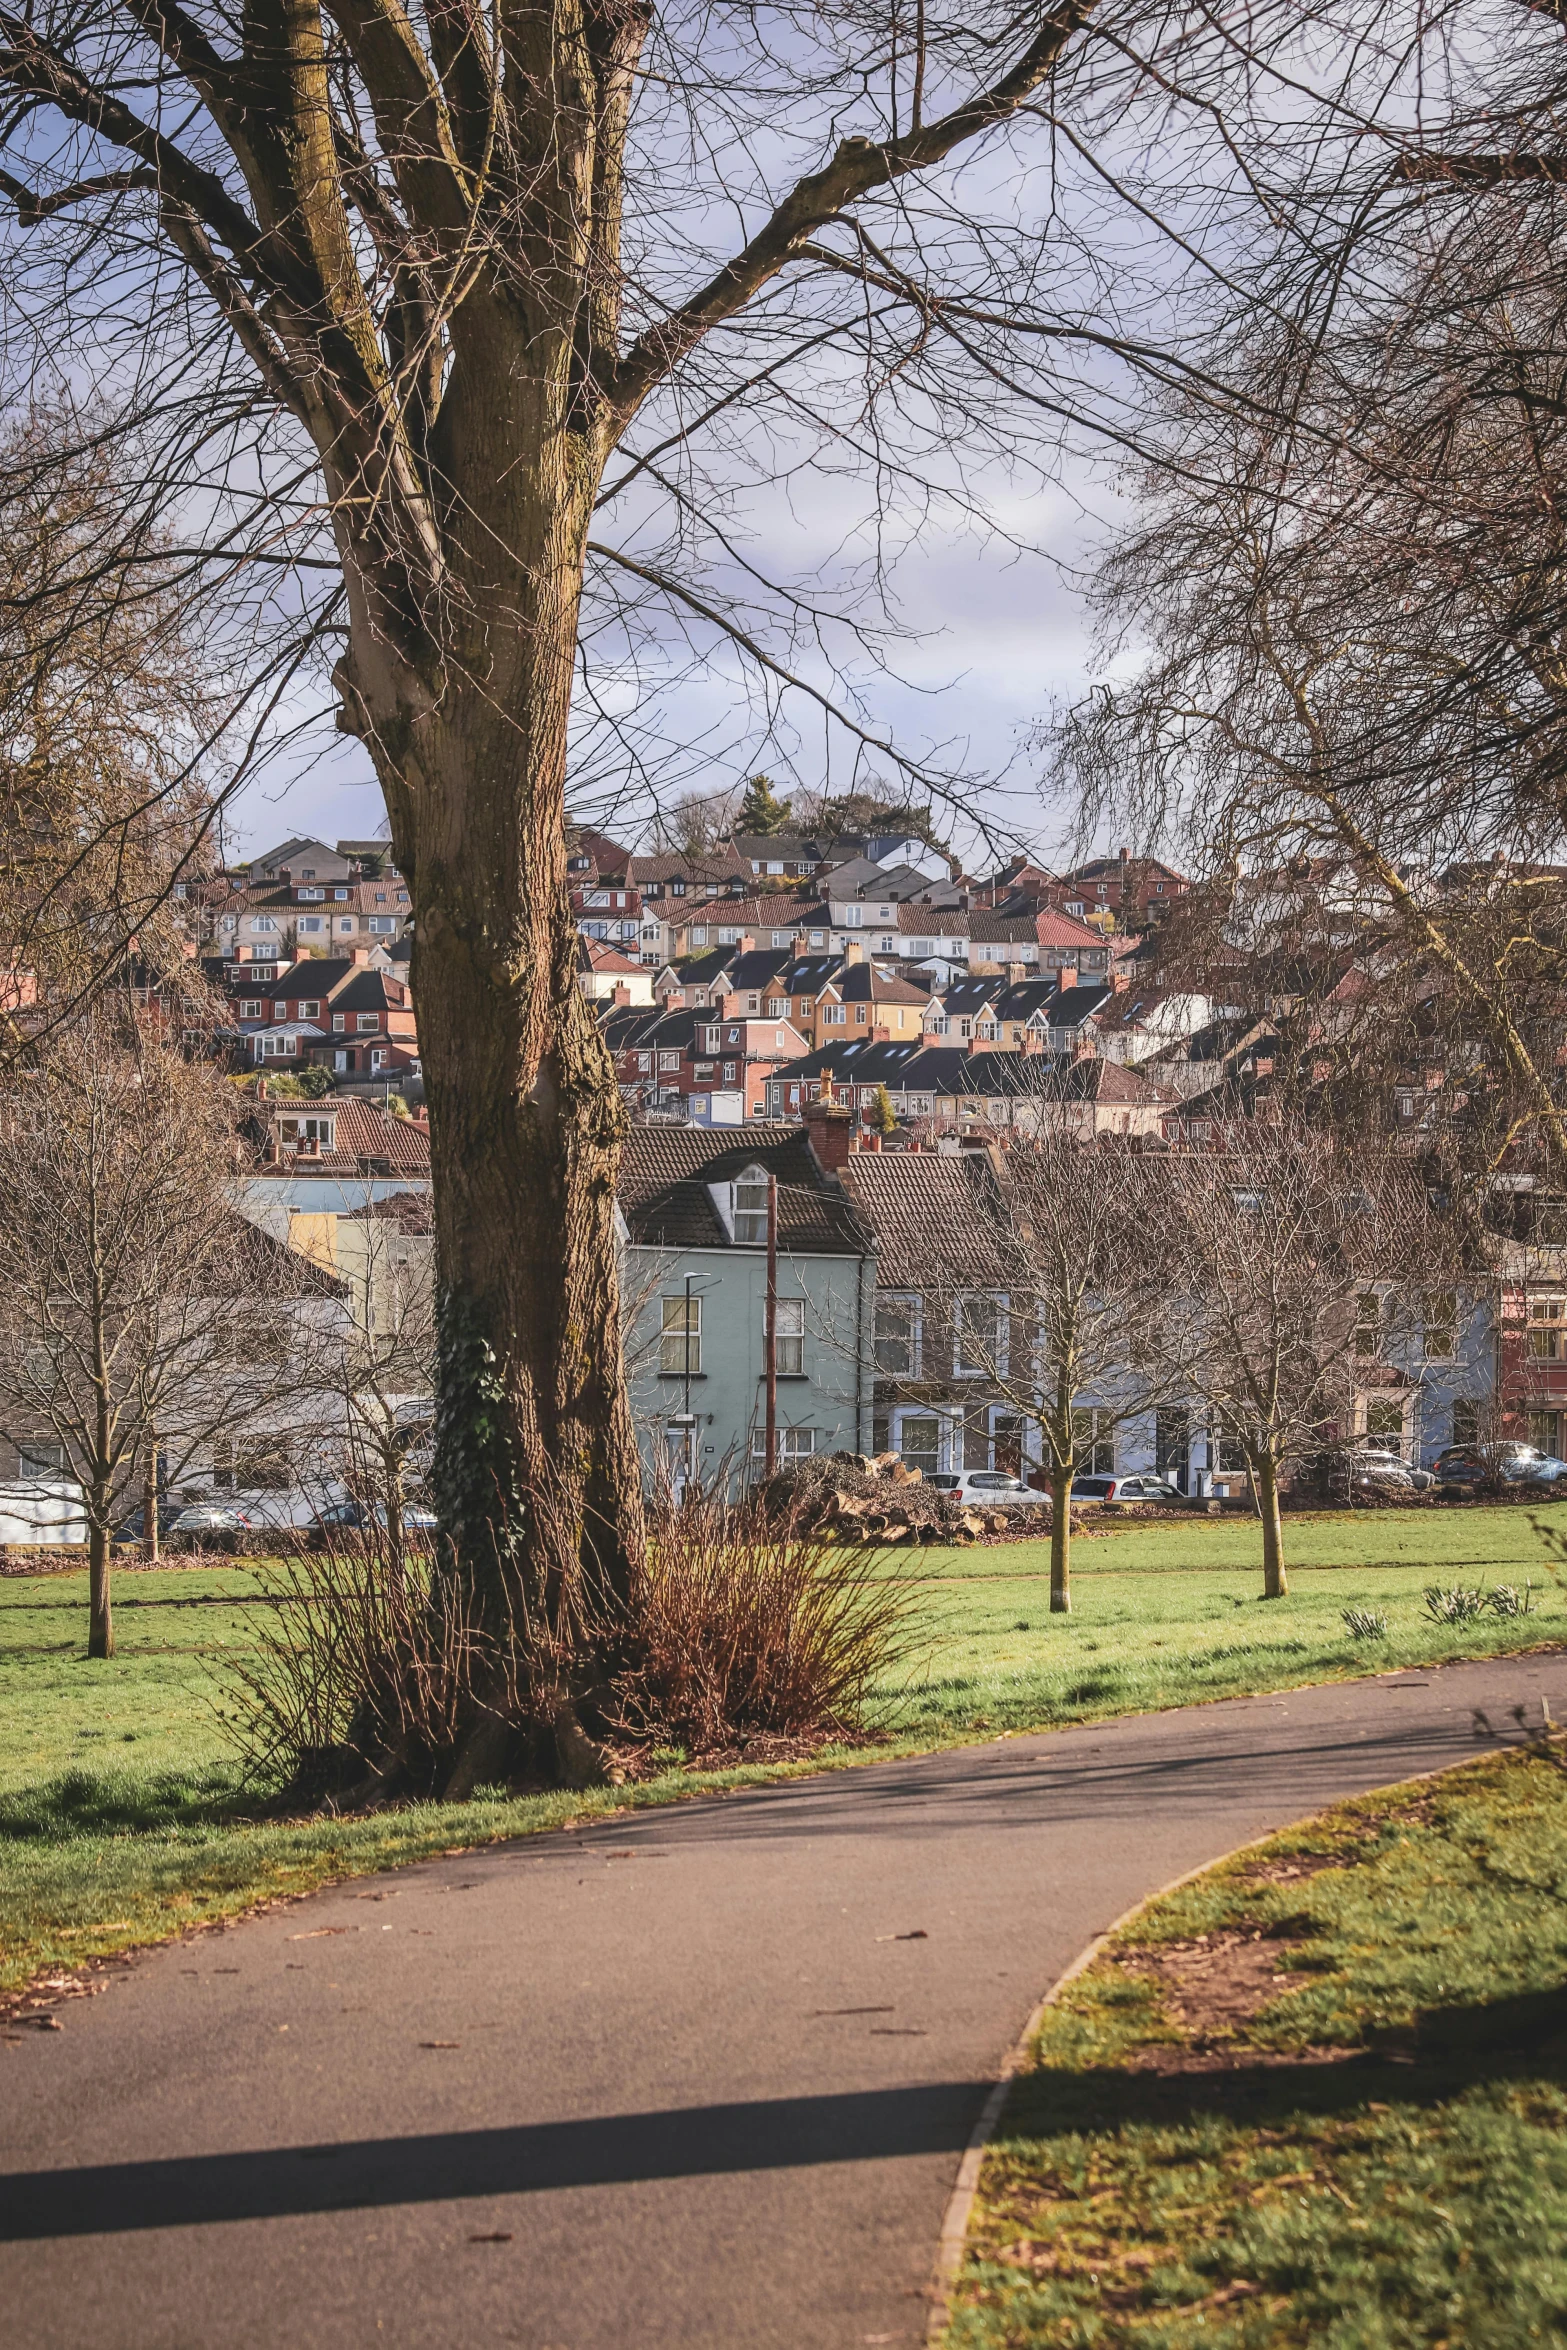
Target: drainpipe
[[770, 1338]]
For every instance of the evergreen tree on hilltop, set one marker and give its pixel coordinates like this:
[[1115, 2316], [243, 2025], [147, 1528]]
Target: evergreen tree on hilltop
[[761, 811], [863, 812]]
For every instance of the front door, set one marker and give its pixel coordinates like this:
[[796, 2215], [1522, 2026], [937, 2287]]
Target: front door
[[680, 1459], [1173, 1446]]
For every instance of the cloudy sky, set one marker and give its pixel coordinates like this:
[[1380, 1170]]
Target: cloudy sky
[[993, 638]]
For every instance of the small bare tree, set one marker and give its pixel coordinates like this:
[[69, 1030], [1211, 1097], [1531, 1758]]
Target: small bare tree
[[386, 1370], [1068, 1240], [1296, 1260], [136, 1305], [106, 709]]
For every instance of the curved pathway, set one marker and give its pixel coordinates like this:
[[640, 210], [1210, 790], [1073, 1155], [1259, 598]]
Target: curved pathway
[[698, 2079]]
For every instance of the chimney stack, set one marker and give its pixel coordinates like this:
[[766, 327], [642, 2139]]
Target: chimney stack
[[853, 951], [829, 1131], [620, 995]]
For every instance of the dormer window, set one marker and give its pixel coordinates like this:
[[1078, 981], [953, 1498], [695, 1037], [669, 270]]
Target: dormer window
[[307, 1134], [751, 1209]]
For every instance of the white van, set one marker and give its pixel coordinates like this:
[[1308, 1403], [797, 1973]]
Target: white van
[[42, 1510]]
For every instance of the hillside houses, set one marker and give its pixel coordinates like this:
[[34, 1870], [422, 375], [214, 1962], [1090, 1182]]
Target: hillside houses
[[344, 1014]]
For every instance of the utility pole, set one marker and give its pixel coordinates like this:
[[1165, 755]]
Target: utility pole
[[770, 1340]]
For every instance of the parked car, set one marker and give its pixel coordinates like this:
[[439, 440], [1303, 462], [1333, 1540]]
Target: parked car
[[1132, 1487], [1373, 1468], [170, 1506], [210, 1526], [341, 1517], [1512, 1463], [986, 1489]]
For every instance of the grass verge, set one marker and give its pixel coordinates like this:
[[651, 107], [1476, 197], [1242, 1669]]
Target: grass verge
[[122, 1817], [1317, 2096]]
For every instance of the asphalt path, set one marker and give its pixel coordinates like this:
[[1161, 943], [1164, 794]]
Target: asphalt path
[[695, 2079]]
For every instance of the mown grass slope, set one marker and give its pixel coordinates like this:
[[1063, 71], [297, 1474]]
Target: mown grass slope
[[122, 1814]]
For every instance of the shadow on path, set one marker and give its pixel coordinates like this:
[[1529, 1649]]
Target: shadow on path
[[612, 2150]]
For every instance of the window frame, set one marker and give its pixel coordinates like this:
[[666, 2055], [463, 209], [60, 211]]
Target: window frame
[[908, 1303], [789, 1337], [1000, 1306], [680, 1336]]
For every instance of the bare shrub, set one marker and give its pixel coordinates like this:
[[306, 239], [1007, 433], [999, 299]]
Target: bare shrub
[[370, 1659], [748, 1622]]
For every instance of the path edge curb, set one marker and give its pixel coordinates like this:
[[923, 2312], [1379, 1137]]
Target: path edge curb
[[953, 2240]]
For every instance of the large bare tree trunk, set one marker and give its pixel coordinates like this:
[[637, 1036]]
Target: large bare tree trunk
[[537, 1471]]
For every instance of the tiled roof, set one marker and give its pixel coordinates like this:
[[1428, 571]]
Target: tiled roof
[[665, 1172], [715, 868], [789, 848], [1136, 868], [1048, 928], [413, 1212], [920, 1204], [594, 955], [863, 983], [366, 1137], [933, 921], [1094, 1080]]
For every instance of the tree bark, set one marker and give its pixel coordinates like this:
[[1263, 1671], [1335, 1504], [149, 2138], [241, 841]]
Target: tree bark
[[1061, 1541], [100, 1618], [1275, 1582], [537, 1475]]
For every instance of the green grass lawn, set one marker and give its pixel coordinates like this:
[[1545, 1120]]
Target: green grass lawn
[[1319, 2096], [122, 1815]]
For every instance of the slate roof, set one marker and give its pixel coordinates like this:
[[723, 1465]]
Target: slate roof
[[761, 967], [665, 1172], [1074, 1005], [1027, 998], [637, 1026], [967, 998], [861, 1061], [809, 974], [788, 848]]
